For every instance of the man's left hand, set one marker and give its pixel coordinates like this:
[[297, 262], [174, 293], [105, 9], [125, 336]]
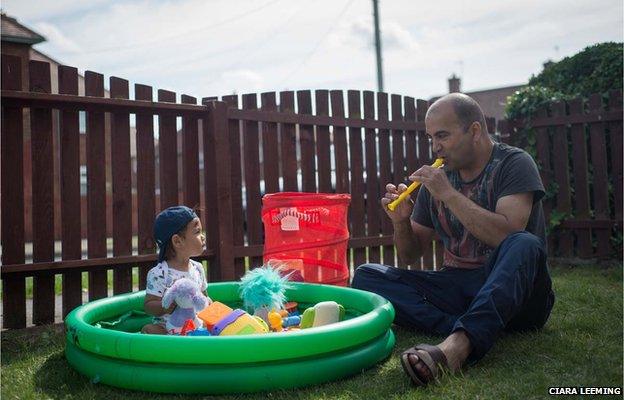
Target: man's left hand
[[436, 181]]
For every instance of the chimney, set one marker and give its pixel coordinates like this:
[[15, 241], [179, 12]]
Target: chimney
[[454, 84]]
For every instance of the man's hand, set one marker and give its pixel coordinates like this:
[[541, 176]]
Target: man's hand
[[403, 210], [436, 181]]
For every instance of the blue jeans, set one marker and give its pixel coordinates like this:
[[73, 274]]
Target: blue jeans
[[512, 291]]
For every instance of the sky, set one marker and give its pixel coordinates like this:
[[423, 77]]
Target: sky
[[218, 47]]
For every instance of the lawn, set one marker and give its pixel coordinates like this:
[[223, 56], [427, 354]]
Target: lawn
[[581, 345]]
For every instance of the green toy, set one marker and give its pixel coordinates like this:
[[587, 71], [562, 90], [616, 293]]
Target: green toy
[[323, 313]]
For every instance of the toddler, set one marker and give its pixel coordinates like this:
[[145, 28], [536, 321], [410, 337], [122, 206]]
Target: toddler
[[178, 233]]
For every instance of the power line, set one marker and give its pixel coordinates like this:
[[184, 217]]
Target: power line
[[159, 41], [267, 39]]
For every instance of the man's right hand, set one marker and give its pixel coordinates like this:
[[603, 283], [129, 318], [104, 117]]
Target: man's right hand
[[403, 210]]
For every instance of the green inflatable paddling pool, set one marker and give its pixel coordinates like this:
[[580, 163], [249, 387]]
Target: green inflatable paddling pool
[[116, 354]]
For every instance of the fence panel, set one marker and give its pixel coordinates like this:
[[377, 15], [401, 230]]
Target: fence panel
[[411, 151], [385, 173], [96, 187], [122, 188], [424, 158], [236, 181], [306, 143], [270, 144], [190, 156], [600, 182], [168, 154], [146, 181], [42, 195], [373, 194], [340, 143], [560, 161], [399, 164], [289, 144], [356, 210], [542, 141], [218, 189], [252, 178], [70, 191], [581, 185], [323, 143], [615, 132], [12, 205]]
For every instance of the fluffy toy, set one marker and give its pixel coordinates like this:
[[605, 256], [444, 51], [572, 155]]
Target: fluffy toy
[[262, 290], [189, 300]]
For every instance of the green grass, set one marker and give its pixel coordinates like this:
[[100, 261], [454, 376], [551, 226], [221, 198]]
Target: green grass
[[580, 346]]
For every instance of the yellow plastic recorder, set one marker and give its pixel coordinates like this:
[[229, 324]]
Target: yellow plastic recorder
[[437, 164]]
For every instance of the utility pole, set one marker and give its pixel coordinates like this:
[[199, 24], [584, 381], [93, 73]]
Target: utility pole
[[378, 47]]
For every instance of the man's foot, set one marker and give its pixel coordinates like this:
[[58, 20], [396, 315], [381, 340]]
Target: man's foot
[[424, 363]]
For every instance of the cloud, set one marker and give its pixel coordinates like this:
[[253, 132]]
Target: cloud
[[395, 36], [360, 34], [48, 9], [207, 48], [56, 38], [240, 81]]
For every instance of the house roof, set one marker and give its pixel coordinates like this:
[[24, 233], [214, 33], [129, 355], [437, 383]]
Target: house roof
[[490, 91], [14, 32]]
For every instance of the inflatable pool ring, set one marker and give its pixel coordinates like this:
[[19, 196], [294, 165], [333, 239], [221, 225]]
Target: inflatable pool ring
[[231, 364]]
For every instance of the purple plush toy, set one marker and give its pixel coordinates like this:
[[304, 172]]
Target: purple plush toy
[[189, 300]]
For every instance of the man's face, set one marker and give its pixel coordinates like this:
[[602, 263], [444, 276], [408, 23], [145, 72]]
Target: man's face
[[449, 139]]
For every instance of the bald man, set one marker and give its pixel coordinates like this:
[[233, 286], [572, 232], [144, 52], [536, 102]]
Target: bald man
[[485, 205]]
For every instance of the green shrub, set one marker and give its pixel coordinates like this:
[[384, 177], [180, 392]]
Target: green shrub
[[526, 101], [596, 69]]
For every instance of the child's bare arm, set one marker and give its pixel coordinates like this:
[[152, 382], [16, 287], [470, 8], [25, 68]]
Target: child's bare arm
[[153, 306]]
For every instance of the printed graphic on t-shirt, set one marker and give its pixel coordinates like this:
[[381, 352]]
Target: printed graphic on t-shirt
[[161, 277], [509, 171]]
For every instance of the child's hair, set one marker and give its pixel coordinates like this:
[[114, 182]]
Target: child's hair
[[170, 252]]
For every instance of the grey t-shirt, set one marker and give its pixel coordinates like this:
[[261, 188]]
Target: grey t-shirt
[[509, 171]]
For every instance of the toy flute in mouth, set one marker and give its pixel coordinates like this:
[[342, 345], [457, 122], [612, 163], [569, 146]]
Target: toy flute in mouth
[[437, 164]]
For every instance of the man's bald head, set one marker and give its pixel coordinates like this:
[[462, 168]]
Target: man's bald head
[[465, 108]]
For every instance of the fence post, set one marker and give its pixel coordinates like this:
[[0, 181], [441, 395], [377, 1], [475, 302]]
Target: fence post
[[146, 181], [70, 190], [562, 177], [218, 190], [12, 205], [42, 189], [600, 187]]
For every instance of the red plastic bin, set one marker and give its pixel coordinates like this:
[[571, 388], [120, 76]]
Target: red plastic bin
[[308, 232]]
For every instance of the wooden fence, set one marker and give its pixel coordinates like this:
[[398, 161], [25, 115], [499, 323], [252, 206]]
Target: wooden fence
[[578, 147], [234, 150]]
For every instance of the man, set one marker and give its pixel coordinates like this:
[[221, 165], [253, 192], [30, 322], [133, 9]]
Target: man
[[485, 205]]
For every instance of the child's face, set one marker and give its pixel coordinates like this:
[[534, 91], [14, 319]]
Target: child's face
[[193, 240]]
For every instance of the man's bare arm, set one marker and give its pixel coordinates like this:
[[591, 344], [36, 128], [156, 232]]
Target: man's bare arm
[[511, 215]]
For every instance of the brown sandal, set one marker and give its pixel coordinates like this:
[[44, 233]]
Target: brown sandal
[[431, 356]]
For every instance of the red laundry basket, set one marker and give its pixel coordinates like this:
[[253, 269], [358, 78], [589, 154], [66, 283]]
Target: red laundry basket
[[308, 233]]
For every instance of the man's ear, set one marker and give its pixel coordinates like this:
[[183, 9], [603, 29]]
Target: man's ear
[[476, 130]]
